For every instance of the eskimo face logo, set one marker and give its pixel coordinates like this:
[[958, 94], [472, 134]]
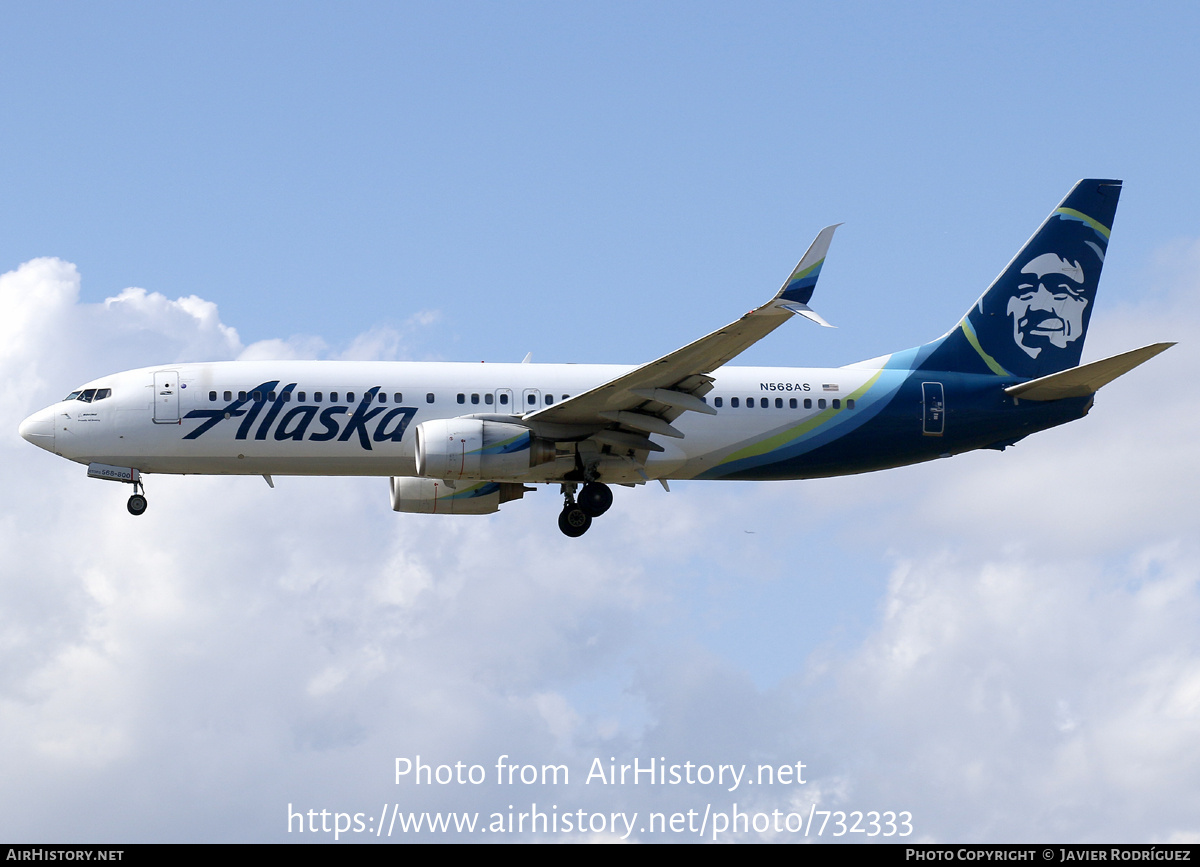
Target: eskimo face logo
[[1048, 307]]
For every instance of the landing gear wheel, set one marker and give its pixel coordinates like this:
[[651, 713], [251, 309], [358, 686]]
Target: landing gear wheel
[[574, 521], [595, 498], [137, 504]]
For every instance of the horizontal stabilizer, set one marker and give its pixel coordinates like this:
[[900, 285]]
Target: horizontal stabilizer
[[1085, 379]]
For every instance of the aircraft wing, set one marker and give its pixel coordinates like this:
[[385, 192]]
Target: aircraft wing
[[647, 399]]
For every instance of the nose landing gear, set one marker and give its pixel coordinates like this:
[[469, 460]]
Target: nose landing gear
[[137, 501], [125, 475], [576, 516]]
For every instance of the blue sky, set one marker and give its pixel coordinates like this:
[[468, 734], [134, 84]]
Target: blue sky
[[594, 183], [338, 168]]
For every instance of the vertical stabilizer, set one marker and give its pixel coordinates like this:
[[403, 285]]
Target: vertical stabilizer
[[1033, 319]]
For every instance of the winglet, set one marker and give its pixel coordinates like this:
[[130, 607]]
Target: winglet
[[797, 290]]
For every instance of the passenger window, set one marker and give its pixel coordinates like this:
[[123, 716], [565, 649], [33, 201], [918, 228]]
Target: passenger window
[[302, 396], [287, 397], [429, 397], [779, 403], [837, 404], [749, 403], [719, 402], [462, 398], [316, 397], [503, 399], [820, 403], [792, 403], [333, 397], [475, 398], [228, 396], [241, 395], [849, 404], [257, 396], [270, 395], [565, 396], [382, 397], [349, 397], [733, 401], [764, 403], [212, 395], [549, 399], [532, 399], [398, 397], [487, 398]]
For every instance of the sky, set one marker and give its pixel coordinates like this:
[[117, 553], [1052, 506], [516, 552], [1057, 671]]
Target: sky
[[1001, 647]]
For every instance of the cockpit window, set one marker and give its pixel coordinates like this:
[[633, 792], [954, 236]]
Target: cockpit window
[[87, 395]]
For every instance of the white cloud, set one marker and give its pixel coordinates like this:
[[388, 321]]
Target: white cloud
[[193, 322], [378, 344], [276, 349], [1056, 696]]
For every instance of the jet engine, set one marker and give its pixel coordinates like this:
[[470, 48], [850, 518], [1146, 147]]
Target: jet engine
[[438, 497], [470, 448]]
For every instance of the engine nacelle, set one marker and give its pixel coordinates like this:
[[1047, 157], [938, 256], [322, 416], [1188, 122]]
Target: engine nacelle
[[436, 497], [470, 448]]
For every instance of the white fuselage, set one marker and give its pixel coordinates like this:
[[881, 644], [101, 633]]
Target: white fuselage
[[311, 417]]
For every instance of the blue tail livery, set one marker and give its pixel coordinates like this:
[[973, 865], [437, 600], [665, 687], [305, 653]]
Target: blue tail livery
[[1033, 319]]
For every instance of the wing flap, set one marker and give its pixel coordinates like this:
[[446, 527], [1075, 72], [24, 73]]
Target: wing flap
[[675, 399], [625, 440], [642, 421]]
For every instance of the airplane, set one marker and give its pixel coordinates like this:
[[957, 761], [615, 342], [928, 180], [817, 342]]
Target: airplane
[[463, 439]]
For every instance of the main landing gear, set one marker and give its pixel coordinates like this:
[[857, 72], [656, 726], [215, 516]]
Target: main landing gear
[[577, 514], [137, 501]]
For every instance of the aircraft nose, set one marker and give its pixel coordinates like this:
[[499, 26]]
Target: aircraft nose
[[39, 429]]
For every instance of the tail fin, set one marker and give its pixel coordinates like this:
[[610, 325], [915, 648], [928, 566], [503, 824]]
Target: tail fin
[[1032, 320]]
